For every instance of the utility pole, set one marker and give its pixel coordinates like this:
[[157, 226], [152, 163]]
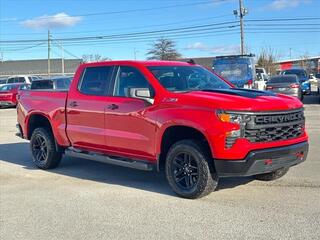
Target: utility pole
[[135, 53], [290, 52], [49, 42], [241, 13]]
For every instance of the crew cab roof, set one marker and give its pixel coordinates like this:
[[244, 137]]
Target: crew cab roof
[[144, 63]]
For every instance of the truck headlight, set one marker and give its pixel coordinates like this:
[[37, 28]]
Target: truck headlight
[[230, 117]]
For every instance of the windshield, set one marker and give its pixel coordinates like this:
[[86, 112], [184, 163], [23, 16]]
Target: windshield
[[187, 78]]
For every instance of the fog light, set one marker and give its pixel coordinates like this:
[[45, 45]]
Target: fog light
[[234, 133], [231, 138]]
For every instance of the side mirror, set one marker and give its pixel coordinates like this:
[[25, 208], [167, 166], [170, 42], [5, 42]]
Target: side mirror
[[141, 93]]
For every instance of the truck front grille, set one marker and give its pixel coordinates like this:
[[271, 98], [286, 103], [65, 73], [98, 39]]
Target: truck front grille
[[274, 133], [275, 126]]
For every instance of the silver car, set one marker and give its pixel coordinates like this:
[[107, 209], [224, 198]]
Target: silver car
[[285, 84]]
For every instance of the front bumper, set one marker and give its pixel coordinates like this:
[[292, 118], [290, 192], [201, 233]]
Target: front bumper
[[263, 161]]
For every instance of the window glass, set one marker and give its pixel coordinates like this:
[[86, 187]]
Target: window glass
[[24, 87], [187, 78], [284, 79], [129, 77], [96, 80], [7, 87], [10, 80], [20, 80], [42, 84], [63, 83]]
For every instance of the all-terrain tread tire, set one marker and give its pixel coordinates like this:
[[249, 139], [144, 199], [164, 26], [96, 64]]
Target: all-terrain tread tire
[[53, 157], [208, 179]]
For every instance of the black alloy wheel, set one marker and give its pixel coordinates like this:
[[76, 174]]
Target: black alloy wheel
[[40, 148], [185, 171]]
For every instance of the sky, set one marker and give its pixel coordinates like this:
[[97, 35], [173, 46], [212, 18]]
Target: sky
[[126, 29]]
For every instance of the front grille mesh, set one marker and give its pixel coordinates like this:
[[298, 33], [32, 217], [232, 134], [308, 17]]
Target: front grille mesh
[[274, 133]]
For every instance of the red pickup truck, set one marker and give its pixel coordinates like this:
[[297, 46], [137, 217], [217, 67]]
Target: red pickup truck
[[172, 116]]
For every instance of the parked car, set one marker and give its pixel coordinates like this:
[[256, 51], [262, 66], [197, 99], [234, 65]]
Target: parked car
[[313, 79], [9, 92], [303, 78], [53, 83], [318, 82], [21, 79], [3, 81], [165, 115], [261, 79], [285, 84]]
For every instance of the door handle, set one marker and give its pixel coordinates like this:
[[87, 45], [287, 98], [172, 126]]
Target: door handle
[[113, 106], [73, 104]]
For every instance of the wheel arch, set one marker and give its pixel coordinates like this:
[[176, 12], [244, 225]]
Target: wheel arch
[[36, 120], [174, 133]]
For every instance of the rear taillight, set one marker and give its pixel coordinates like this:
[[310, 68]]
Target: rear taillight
[[295, 85], [269, 87]]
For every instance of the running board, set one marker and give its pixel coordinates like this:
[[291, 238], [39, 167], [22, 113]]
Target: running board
[[119, 161]]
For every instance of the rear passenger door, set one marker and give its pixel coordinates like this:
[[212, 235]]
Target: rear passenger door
[[85, 108], [128, 130]]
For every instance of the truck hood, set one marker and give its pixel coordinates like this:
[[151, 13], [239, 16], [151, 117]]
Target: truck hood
[[244, 100]]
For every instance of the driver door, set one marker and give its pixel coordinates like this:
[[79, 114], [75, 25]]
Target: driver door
[[129, 132]]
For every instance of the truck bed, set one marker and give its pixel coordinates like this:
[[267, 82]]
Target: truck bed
[[50, 104]]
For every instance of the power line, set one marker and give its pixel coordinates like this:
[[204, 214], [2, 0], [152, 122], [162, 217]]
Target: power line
[[125, 11], [283, 19], [156, 31], [124, 34], [21, 49], [126, 28]]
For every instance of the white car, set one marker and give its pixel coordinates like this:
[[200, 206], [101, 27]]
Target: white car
[[318, 80], [261, 79], [22, 79]]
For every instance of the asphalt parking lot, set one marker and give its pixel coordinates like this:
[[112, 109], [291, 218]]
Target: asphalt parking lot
[[88, 200]]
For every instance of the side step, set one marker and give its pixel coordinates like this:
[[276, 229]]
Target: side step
[[119, 161]]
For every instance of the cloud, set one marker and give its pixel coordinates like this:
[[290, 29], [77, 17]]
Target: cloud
[[222, 49], [282, 4], [58, 20]]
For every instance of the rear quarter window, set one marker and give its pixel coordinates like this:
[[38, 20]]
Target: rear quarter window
[[96, 80]]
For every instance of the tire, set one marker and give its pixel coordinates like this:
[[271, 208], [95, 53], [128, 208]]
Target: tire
[[189, 170], [273, 175], [43, 148]]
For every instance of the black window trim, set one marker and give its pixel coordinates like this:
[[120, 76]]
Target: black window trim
[[107, 91]]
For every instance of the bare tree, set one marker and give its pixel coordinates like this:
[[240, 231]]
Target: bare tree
[[163, 49], [94, 58], [267, 59], [305, 62]]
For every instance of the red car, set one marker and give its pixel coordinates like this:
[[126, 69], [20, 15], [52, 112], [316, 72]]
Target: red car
[[9, 92], [172, 116]]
